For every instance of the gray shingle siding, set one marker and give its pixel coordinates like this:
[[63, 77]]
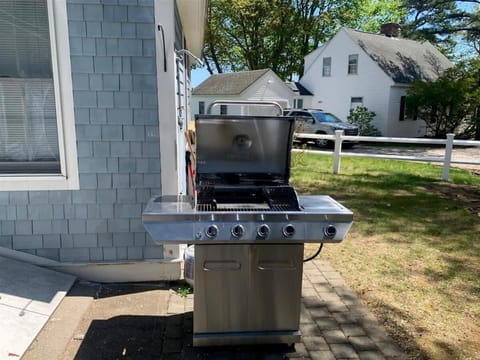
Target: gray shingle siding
[[116, 120]]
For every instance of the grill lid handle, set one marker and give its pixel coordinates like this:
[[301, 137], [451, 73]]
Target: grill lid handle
[[273, 104]]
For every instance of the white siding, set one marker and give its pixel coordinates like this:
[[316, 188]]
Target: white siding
[[334, 93], [270, 88], [208, 99], [407, 127], [310, 59]]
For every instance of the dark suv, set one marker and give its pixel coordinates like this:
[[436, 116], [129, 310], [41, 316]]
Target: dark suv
[[320, 122]]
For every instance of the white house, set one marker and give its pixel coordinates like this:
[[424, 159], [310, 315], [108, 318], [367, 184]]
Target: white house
[[255, 85], [93, 111], [373, 70], [302, 96]]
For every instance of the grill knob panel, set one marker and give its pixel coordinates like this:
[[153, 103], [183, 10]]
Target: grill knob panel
[[288, 230], [212, 231], [238, 230], [263, 231]]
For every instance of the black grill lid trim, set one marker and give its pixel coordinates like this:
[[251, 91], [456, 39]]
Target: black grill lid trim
[[261, 142]]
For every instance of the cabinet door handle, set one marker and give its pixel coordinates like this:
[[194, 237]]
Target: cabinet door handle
[[221, 265], [276, 265]]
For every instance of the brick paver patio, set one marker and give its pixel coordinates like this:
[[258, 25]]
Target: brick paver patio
[[135, 321], [334, 325]]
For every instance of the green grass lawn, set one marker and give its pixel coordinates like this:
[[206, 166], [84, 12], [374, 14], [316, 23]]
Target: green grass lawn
[[413, 254]]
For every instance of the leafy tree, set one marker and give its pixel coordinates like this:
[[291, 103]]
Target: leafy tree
[[446, 103], [363, 117], [373, 13], [277, 34], [473, 37], [441, 22], [472, 77]]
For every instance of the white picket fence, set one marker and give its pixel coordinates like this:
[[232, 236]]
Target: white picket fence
[[447, 160]]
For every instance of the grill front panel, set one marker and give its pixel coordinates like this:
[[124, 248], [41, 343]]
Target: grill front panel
[[318, 219]]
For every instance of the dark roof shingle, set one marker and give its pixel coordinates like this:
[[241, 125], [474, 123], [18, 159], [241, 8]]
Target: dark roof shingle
[[403, 60], [228, 83], [298, 88]]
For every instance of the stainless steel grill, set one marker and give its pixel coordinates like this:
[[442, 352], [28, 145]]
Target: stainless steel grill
[[249, 227]]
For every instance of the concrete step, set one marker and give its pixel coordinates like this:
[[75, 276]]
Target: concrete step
[[29, 295]]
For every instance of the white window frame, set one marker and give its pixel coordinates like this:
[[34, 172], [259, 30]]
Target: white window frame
[[356, 101], [327, 68], [352, 68], [297, 102], [62, 79], [201, 107]]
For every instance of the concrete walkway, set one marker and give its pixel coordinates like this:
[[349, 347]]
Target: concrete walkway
[[152, 321], [28, 297]]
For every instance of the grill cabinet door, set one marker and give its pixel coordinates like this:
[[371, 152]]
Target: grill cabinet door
[[275, 287], [220, 293], [245, 288]]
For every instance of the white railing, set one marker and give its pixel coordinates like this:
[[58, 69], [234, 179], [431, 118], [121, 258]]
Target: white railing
[[447, 160]]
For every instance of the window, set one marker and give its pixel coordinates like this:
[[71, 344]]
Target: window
[[403, 110], [401, 115], [35, 143], [356, 102], [353, 64], [201, 107], [223, 109], [298, 103], [327, 66]]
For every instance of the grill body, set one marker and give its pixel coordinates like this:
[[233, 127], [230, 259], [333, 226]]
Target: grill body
[[249, 228]]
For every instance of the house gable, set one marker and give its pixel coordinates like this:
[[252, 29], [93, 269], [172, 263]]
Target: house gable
[[338, 48], [269, 87], [259, 85], [386, 66]]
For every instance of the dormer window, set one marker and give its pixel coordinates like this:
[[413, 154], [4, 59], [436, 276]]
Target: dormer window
[[353, 64]]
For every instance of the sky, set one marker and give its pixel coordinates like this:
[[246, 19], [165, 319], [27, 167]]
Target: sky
[[198, 75]]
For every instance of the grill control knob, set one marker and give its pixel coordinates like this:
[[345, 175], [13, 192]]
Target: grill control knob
[[329, 231], [263, 230], [212, 231], [238, 230], [288, 230]]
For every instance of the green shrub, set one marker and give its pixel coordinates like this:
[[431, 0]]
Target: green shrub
[[362, 117]]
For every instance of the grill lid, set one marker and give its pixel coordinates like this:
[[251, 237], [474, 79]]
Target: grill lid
[[237, 149]]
